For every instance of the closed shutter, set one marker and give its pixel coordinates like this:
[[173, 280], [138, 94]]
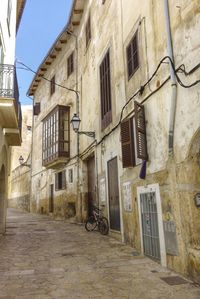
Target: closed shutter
[[56, 181], [36, 109], [63, 179], [140, 127], [127, 142]]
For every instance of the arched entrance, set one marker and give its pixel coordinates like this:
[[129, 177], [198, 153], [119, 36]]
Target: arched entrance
[[2, 200]]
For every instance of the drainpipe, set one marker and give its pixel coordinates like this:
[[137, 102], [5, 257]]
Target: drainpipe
[[172, 76]]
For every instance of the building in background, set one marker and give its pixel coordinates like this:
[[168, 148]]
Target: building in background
[[129, 70], [19, 179], [10, 110]]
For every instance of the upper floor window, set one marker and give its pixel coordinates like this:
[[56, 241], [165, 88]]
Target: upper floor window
[[60, 180], [52, 85], [132, 56], [105, 89], [88, 34], [70, 64], [56, 135], [9, 9], [133, 138]]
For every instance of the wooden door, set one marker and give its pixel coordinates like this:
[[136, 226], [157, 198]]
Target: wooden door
[[51, 201], [91, 184], [113, 190]]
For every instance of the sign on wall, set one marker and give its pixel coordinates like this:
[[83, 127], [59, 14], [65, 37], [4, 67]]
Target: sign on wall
[[127, 199]]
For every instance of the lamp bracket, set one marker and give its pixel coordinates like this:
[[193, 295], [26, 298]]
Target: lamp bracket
[[89, 134]]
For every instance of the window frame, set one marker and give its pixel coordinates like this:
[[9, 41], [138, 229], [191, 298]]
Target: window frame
[[52, 86], [105, 91], [133, 61], [60, 180]]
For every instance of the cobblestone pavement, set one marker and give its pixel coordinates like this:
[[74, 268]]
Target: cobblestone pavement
[[41, 258]]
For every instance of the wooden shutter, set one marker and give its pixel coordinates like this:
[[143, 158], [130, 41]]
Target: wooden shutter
[[127, 142], [56, 181], [63, 179], [36, 109], [140, 128]]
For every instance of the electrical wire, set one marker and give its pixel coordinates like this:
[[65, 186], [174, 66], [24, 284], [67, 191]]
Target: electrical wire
[[56, 84]]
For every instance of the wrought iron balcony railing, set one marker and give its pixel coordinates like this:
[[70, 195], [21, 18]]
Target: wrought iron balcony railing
[[8, 82]]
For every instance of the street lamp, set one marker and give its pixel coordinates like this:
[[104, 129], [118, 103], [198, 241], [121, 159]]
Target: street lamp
[[75, 121], [22, 163]]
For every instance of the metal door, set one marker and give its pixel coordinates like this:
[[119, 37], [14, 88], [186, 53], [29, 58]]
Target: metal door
[[91, 184], [149, 217], [51, 203], [113, 190]]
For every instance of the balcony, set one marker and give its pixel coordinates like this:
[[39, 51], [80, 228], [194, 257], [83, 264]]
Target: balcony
[[56, 141], [10, 108]]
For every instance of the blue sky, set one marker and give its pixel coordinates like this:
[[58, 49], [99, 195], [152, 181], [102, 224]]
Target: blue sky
[[41, 23]]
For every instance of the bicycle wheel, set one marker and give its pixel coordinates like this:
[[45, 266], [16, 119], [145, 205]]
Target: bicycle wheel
[[103, 226], [90, 224]]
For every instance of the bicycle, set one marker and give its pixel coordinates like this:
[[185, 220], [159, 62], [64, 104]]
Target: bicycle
[[97, 220]]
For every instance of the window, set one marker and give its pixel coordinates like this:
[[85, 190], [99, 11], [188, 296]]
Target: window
[[103, 1], [88, 31], [133, 138], [56, 135], [9, 14], [52, 86], [70, 64], [132, 56], [70, 175], [60, 180], [28, 128], [36, 109], [105, 89]]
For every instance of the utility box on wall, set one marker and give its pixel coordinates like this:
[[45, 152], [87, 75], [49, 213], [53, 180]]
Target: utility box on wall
[[170, 237]]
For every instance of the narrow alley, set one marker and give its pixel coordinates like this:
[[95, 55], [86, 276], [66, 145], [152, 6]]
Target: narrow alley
[[43, 258]]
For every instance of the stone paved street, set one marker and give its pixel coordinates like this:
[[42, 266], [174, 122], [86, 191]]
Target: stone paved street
[[43, 258]]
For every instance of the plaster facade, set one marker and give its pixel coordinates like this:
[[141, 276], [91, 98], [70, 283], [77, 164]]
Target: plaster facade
[[19, 179], [176, 174], [10, 14]]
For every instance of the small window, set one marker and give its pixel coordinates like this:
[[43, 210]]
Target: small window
[[133, 138], [70, 64], [105, 89], [36, 109], [29, 128], [52, 86], [88, 31], [60, 180], [103, 1], [70, 175], [132, 56]]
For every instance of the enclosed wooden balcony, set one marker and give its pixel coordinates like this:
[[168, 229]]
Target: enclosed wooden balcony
[[56, 140], [10, 108]]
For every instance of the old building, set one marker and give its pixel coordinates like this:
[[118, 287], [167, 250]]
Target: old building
[[129, 70], [19, 179], [10, 110]]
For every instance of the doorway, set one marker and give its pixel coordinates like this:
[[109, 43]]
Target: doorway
[[91, 184], [2, 200], [51, 199], [151, 224], [113, 192]]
